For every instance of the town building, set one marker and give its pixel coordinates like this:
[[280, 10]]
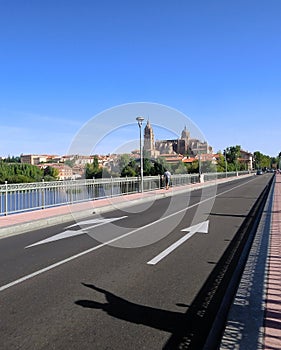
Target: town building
[[35, 159], [247, 159], [65, 171]]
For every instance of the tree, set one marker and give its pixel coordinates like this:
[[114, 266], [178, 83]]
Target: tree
[[193, 167], [92, 170], [232, 155], [261, 161], [180, 168], [221, 163], [12, 159], [128, 171], [158, 168], [51, 173], [124, 160], [147, 167], [165, 165], [18, 172], [208, 167]]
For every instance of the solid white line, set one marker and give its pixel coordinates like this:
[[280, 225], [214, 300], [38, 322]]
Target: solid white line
[[36, 273]]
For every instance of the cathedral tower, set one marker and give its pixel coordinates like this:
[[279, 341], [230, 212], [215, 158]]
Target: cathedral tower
[[149, 145]]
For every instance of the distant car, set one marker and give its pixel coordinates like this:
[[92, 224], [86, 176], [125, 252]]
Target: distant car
[[259, 172]]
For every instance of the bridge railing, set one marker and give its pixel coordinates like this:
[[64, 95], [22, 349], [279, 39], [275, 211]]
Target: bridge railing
[[15, 198]]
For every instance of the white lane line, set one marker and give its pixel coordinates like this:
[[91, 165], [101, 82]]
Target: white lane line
[[50, 267]]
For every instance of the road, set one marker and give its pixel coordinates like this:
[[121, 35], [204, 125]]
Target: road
[[124, 280]]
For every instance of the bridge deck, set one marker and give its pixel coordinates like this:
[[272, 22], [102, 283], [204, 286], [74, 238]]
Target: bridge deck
[[266, 311]]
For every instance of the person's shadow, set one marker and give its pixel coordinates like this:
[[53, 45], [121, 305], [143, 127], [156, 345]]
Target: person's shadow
[[117, 307]]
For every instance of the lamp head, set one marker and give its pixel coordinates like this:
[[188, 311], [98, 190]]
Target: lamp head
[[140, 120]]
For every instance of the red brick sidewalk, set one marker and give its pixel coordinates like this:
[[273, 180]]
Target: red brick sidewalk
[[272, 322]]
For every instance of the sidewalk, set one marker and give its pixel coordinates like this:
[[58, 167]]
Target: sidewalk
[[254, 320], [272, 330]]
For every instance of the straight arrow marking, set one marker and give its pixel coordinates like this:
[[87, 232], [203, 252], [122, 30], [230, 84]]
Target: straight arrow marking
[[202, 227], [70, 233]]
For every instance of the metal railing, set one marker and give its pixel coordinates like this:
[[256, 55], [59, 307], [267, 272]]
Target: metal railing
[[15, 198]]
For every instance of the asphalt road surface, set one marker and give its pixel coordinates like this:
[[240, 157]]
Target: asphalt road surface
[[123, 280]]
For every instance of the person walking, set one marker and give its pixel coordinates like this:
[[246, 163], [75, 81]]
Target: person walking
[[167, 178]]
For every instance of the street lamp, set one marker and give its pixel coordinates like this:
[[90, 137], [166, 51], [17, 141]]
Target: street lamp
[[140, 120], [225, 163]]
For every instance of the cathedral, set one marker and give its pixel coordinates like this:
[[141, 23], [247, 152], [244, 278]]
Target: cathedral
[[183, 145]]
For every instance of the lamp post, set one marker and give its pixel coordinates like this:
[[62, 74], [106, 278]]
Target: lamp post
[[140, 120], [225, 163]]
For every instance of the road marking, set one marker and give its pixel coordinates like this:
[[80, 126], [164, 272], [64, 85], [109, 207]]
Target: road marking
[[50, 267], [202, 227], [72, 233]]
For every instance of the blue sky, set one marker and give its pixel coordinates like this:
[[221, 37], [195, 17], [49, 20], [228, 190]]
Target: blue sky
[[64, 62]]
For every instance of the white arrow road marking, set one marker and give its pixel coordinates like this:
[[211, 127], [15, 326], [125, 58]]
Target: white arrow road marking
[[94, 221], [70, 233], [202, 227]]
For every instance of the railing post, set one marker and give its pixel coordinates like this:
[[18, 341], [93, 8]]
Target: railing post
[[94, 189], [43, 195], [6, 198], [72, 192]]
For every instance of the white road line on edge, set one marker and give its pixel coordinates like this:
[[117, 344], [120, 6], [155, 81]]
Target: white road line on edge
[[50, 267]]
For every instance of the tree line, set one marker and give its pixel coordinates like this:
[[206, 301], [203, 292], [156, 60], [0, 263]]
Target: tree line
[[15, 172]]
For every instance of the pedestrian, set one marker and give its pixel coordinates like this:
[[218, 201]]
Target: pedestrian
[[167, 178]]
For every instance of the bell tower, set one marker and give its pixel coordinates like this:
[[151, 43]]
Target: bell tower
[[149, 145]]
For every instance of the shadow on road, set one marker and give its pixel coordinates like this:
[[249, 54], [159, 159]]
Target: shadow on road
[[117, 307], [186, 329]]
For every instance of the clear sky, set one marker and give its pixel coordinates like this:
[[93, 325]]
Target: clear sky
[[62, 62]]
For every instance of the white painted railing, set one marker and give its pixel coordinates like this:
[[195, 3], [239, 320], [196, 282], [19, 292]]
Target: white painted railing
[[16, 198]]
